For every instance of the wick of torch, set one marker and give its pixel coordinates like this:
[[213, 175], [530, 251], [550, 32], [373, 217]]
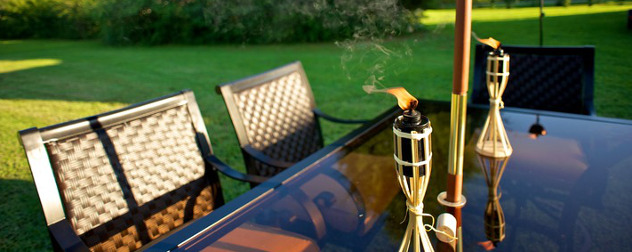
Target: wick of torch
[[404, 99], [488, 41]]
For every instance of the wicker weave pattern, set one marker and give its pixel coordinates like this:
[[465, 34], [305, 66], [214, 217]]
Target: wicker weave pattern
[[113, 236], [172, 214], [119, 235], [162, 165], [542, 78], [545, 82], [87, 181], [158, 153], [279, 120]]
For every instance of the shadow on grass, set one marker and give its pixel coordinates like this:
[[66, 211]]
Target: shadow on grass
[[23, 226]]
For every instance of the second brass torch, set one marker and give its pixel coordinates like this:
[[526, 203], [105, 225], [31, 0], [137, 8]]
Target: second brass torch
[[413, 156]]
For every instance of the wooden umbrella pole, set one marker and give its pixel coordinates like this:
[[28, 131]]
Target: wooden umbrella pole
[[462, 35], [452, 198], [459, 100]]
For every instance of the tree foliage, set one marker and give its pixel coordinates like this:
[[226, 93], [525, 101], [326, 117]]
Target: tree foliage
[[204, 21], [47, 19]]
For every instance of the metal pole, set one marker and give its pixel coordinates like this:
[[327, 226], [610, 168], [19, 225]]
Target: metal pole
[[541, 21]]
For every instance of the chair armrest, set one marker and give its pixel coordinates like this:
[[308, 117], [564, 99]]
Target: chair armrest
[[230, 172], [263, 158], [327, 117]]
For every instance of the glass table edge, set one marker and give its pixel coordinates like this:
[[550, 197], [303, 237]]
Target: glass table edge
[[200, 226]]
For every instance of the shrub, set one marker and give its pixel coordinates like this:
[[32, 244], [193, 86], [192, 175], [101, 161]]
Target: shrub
[[247, 21], [151, 22], [563, 3], [47, 19]]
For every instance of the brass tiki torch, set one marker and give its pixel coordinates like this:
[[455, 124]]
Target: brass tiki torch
[[493, 141], [413, 164], [493, 145]]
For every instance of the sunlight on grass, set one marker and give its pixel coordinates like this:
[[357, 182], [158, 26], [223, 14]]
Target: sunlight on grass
[[7, 66], [22, 227], [8, 42], [438, 17], [17, 115]]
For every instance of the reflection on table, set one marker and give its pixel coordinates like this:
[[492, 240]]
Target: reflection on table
[[494, 216], [563, 191]]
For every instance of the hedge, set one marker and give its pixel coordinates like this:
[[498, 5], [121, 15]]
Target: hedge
[[121, 22]]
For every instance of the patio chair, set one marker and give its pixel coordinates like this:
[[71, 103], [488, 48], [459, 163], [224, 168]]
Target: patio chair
[[275, 117], [121, 179], [544, 78]]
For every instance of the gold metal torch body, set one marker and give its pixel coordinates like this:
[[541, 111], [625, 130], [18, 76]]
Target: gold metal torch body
[[413, 160], [493, 141]]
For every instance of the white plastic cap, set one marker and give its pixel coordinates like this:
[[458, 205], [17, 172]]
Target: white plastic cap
[[446, 223]]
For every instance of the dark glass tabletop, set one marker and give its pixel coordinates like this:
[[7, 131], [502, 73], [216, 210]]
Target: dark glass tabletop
[[567, 190]]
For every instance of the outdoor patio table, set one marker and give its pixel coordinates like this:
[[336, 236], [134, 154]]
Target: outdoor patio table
[[566, 190]]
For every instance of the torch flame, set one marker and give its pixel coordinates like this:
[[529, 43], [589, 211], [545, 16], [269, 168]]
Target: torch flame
[[404, 99], [488, 41]]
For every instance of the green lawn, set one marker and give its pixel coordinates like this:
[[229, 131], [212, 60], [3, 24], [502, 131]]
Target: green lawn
[[47, 82]]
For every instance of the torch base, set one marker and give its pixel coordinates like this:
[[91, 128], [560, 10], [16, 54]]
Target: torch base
[[416, 235], [442, 198], [493, 149]]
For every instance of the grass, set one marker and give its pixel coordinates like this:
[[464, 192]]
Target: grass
[[47, 82]]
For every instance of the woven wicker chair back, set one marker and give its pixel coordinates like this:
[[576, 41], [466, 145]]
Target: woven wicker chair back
[[127, 183], [543, 78], [273, 112]]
